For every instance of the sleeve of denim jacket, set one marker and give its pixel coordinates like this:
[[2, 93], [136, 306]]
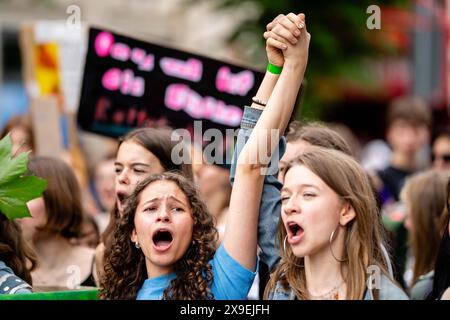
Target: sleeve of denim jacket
[[270, 206]]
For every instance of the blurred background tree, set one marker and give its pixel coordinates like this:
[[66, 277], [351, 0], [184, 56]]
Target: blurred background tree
[[341, 49]]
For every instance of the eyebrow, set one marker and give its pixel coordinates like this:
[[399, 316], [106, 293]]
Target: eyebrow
[[140, 164], [305, 185], [158, 198], [133, 164]]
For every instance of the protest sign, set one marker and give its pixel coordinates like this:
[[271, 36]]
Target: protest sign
[[52, 56], [46, 126], [129, 83]]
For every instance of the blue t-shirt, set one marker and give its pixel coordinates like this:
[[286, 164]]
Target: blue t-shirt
[[231, 281]]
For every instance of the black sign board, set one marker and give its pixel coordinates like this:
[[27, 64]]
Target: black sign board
[[129, 83]]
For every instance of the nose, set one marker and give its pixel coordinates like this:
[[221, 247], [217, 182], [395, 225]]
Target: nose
[[123, 178], [291, 207], [163, 215]]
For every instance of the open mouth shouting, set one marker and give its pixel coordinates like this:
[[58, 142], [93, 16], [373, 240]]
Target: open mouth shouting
[[162, 240], [121, 199], [294, 231]]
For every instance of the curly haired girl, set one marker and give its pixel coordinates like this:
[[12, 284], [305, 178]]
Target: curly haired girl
[[164, 247]]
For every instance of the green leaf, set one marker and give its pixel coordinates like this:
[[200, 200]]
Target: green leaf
[[12, 168], [16, 188], [5, 147]]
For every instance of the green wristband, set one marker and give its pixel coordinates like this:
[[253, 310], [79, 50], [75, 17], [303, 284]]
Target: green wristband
[[274, 69]]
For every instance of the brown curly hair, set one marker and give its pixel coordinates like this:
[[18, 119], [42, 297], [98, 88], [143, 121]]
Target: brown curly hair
[[125, 269], [14, 251]]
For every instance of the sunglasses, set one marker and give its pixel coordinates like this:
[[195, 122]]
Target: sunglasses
[[444, 157]]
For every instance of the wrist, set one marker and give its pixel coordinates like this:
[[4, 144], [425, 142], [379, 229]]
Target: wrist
[[278, 62], [258, 103], [274, 69], [294, 64]]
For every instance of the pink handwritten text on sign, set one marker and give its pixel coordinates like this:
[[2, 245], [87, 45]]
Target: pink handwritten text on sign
[[181, 97], [237, 84], [131, 117], [105, 45], [191, 70], [125, 81]]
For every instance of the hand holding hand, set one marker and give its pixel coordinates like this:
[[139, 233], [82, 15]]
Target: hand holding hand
[[287, 35], [283, 30]]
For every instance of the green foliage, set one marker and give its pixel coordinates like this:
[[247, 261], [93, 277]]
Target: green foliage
[[340, 40], [16, 188]]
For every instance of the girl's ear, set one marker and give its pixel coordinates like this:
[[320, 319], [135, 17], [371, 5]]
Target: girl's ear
[[347, 214]]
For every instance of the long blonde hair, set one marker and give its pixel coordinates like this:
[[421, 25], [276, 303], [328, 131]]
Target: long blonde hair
[[364, 233], [425, 195]]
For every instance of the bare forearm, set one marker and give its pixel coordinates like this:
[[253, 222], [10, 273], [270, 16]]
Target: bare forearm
[[282, 101], [276, 115], [281, 93], [265, 89]]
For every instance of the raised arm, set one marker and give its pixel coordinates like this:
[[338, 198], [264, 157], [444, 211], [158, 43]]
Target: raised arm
[[282, 30], [270, 204], [240, 234]]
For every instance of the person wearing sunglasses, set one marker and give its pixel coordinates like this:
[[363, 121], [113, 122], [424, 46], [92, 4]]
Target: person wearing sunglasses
[[440, 156]]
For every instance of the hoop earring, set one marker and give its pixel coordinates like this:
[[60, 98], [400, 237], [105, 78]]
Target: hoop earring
[[331, 249], [287, 259], [136, 245], [284, 243]]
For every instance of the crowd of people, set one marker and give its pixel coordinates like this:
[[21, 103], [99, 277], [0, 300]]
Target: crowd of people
[[309, 222]]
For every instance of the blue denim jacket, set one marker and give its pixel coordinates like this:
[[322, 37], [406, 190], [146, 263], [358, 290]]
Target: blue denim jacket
[[388, 291], [269, 215], [10, 283]]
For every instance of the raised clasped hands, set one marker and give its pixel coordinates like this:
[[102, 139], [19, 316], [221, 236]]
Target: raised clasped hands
[[287, 40]]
